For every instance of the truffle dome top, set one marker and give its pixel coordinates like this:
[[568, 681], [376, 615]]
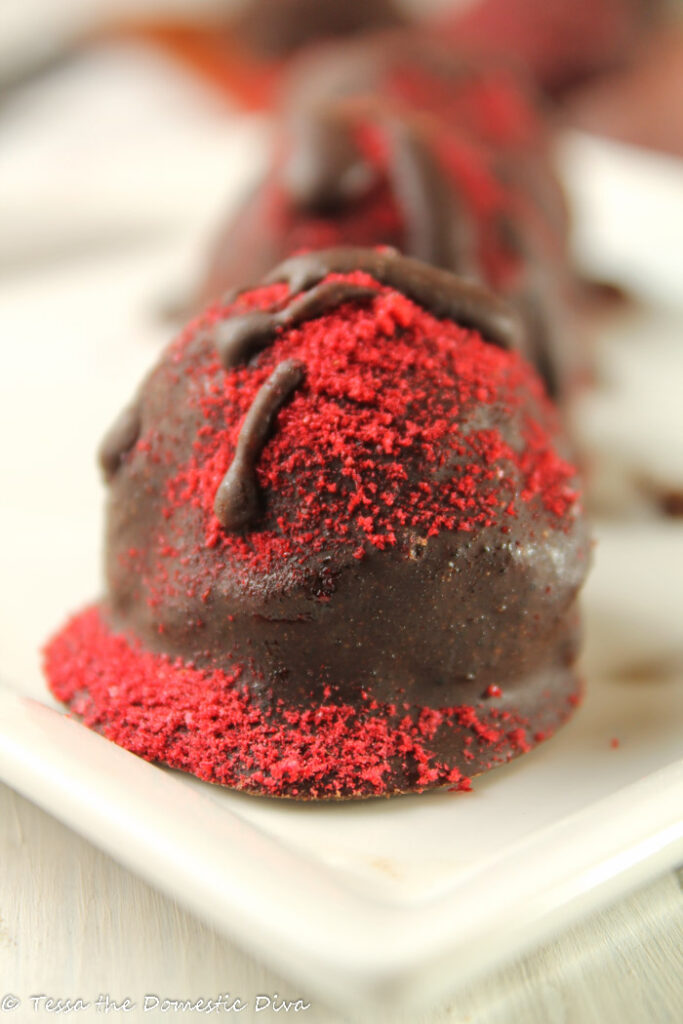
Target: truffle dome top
[[396, 425]]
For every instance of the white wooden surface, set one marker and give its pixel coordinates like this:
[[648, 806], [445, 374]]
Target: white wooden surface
[[75, 924]]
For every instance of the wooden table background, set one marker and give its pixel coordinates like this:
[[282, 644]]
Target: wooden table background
[[73, 923]]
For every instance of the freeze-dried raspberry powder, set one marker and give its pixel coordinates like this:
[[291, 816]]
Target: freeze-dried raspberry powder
[[381, 441], [204, 722]]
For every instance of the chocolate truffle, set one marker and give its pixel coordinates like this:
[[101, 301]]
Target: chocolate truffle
[[275, 28], [343, 543]]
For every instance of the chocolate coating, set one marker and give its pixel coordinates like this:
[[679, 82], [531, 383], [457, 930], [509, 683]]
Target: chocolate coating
[[237, 499], [119, 440], [542, 296], [454, 615]]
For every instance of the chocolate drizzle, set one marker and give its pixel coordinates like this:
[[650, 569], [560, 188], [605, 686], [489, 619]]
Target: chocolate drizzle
[[440, 292], [237, 499], [437, 228], [537, 298], [242, 336], [119, 440], [325, 168], [532, 175]]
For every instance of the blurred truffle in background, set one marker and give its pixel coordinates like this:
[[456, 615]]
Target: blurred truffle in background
[[278, 27], [561, 42], [369, 172]]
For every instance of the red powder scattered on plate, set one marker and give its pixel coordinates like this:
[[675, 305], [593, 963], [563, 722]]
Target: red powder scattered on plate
[[204, 722]]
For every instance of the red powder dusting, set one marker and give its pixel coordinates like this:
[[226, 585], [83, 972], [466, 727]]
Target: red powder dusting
[[206, 723], [519, 738], [614, 743], [357, 458]]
